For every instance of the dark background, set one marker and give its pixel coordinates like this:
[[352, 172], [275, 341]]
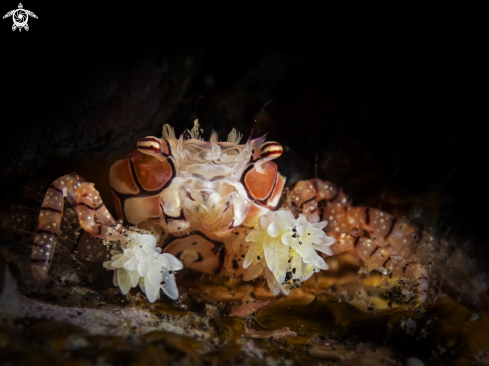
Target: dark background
[[386, 101]]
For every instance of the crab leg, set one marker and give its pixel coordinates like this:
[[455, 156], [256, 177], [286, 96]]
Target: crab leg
[[354, 225], [381, 256], [386, 244], [88, 206], [86, 200], [303, 199], [50, 216], [377, 237]]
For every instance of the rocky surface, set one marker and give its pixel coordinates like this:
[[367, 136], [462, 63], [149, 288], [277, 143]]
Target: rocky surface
[[207, 325]]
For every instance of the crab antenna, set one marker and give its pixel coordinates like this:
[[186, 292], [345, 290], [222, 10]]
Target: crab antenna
[[256, 119]]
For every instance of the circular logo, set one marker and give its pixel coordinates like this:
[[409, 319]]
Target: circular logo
[[20, 17]]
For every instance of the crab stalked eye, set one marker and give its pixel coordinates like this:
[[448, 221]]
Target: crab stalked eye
[[149, 143], [271, 150], [155, 147]]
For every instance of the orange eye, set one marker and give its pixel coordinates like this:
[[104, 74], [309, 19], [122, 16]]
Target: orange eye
[[271, 149]]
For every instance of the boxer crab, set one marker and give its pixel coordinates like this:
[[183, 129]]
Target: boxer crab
[[211, 206]]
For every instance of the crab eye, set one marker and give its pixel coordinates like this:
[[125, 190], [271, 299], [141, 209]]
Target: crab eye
[[271, 149], [149, 143], [154, 146]]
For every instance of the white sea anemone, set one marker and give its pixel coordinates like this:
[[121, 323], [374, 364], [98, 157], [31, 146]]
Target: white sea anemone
[[144, 264], [285, 248]]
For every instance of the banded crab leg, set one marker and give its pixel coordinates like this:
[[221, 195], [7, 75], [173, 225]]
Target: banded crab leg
[[381, 240], [89, 205], [303, 199], [378, 239], [86, 200], [386, 244]]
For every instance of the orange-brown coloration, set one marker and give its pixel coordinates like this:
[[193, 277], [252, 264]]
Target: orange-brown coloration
[[201, 199], [366, 231], [136, 180], [277, 191], [121, 178], [382, 241], [152, 174], [118, 206], [189, 191], [260, 185], [255, 211], [87, 203], [137, 207]]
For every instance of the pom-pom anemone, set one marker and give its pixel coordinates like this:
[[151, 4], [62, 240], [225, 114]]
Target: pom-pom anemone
[[285, 248], [144, 264]]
